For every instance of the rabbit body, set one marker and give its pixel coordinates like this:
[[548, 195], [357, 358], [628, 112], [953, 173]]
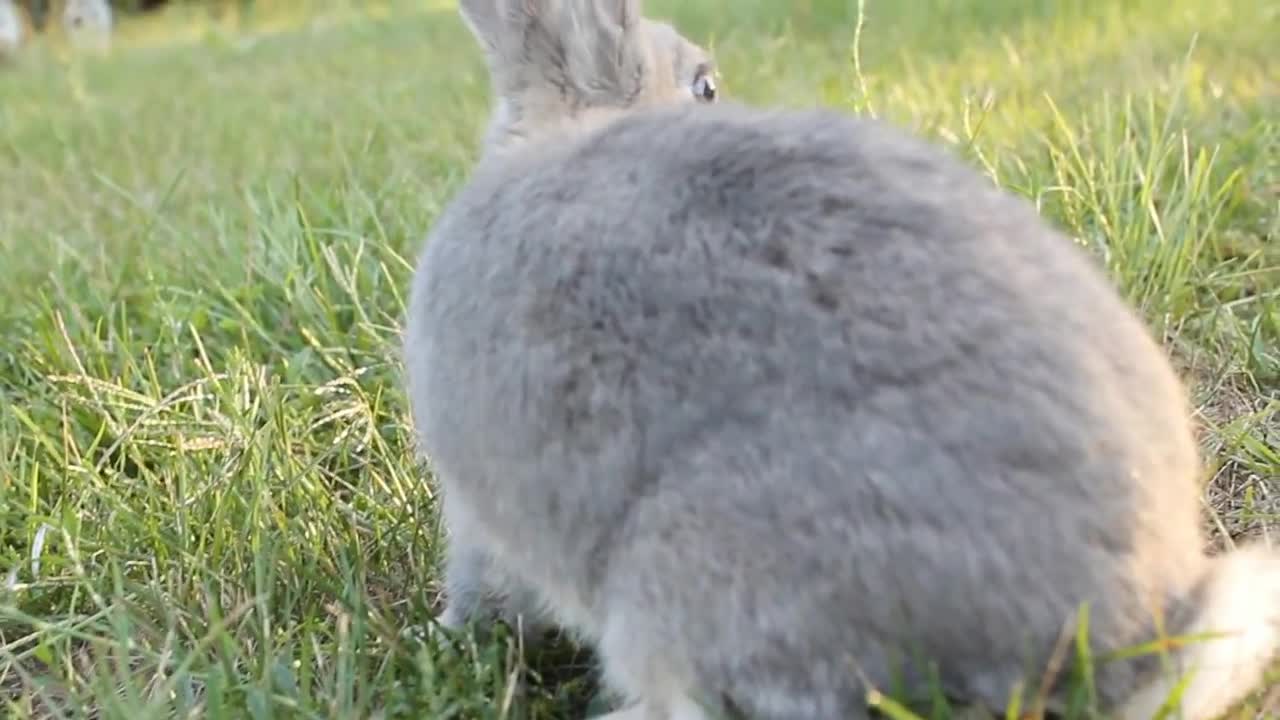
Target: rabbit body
[[772, 407]]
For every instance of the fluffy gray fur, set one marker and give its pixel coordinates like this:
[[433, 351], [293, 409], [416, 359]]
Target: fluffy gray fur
[[768, 405]]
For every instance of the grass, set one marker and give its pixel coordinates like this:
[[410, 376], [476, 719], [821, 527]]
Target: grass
[[208, 499]]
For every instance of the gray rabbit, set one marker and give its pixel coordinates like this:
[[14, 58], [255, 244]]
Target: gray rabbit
[[773, 407]]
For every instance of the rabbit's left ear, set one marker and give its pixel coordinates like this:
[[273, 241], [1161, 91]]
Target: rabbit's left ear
[[484, 19]]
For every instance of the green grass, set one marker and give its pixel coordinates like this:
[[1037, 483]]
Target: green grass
[[205, 243]]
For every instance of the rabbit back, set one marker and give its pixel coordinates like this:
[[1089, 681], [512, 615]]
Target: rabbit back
[[803, 382]]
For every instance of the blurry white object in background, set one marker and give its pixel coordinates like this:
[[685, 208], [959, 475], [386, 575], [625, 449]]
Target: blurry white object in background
[[88, 23], [11, 28]]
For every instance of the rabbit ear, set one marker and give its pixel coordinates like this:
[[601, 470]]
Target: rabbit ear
[[500, 26], [626, 13], [485, 20]]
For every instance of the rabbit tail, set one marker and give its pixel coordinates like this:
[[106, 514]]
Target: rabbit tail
[[1229, 644]]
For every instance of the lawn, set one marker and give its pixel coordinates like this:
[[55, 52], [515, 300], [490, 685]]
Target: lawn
[[209, 503]]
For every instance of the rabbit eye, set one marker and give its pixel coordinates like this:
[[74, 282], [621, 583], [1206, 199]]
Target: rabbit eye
[[704, 88]]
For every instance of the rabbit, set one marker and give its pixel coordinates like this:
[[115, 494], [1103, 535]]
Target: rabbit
[[88, 23], [774, 407], [12, 30]]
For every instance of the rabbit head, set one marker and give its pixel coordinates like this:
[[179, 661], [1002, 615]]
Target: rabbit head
[[554, 64]]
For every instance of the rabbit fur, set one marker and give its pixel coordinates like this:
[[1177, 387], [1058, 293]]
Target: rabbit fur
[[772, 407]]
